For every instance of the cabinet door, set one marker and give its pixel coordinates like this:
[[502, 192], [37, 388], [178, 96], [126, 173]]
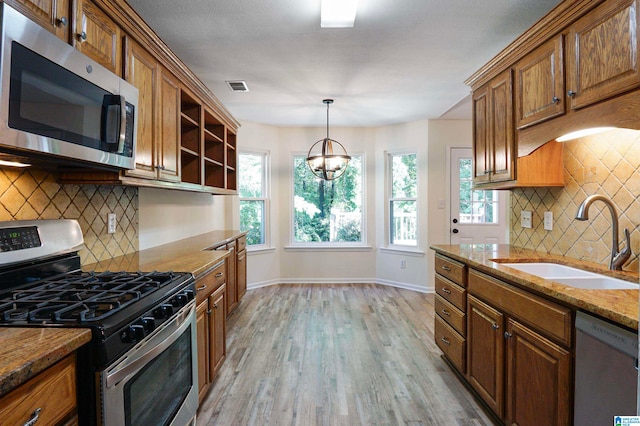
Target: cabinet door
[[602, 53], [538, 379], [232, 283], [501, 134], [217, 331], [241, 276], [481, 152], [169, 127], [202, 336], [485, 353], [52, 15], [97, 36], [142, 71], [539, 88]]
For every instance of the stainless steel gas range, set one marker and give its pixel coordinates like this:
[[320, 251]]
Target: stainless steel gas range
[[140, 367]]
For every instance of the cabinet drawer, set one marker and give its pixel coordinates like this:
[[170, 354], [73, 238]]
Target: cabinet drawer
[[207, 283], [452, 292], [451, 343], [452, 315], [552, 320], [53, 392], [451, 269], [242, 243]]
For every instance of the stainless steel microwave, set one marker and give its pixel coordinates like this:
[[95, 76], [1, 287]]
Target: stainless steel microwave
[[55, 102]]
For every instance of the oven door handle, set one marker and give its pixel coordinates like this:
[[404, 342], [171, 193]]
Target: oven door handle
[[182, 321]]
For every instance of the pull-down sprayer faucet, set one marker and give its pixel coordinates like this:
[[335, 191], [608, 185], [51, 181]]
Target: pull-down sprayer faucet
[[618, 258]]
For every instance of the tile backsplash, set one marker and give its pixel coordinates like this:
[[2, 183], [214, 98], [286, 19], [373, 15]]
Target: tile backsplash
[[34, 194], [607, 164]]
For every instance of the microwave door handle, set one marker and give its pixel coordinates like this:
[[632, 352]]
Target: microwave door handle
[[123, 124]]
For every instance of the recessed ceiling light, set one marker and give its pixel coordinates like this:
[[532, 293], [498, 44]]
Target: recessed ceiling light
[[338, 13], [237, 85]]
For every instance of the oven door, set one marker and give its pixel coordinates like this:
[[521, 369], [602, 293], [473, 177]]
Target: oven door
[[156, 382]]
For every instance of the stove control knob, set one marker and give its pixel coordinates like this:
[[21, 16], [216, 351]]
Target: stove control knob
[[163, 311], [148, 324], [190, 294], [179, 300], [132, 334]]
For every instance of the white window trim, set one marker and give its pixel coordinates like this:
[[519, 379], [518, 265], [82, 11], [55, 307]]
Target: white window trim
[[388, 156], [266, 188], [294, 245]]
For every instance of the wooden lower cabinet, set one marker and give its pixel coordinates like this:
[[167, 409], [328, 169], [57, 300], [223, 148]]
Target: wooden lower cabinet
[[523, 372], [538, 387], [210, 326], [241, 273], [51, 396]]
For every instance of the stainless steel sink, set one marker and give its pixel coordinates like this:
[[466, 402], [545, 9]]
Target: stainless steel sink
[[572, 277]]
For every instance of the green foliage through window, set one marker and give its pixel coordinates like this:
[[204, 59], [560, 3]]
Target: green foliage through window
[[403, 201], [251, 188], [476, 206], [327, 211]]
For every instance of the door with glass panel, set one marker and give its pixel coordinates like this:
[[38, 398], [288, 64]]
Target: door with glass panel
[[476, 216]]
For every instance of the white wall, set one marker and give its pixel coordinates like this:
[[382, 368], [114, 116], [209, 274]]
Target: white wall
[[167, 216]]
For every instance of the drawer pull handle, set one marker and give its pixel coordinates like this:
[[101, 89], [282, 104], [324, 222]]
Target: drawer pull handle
[[34, 417], [445, 341], [444, 311], [219, 274], [201, 288], [495, 326], [446, 268], [446, 290], [507, 334]]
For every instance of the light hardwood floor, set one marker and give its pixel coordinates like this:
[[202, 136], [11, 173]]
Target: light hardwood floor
[[336, 355]]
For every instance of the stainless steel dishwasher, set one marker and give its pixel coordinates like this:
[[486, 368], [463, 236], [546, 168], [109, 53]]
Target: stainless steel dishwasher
[[606, 371]]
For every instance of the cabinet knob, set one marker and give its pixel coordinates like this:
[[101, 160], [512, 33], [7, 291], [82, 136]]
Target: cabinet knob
[[63, 21], [571, 93], [507, 335], [82, 36], [215, 306], [495, 326], [555, 100]]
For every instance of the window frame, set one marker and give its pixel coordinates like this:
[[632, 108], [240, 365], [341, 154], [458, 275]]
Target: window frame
[[265, 199], [362, 244], [389, 155]]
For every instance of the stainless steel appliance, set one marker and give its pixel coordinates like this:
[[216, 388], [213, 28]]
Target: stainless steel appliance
[[57, 103], [140, 367], [606, 371]]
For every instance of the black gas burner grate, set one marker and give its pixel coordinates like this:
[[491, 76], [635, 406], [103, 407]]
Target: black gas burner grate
[[80, 297]]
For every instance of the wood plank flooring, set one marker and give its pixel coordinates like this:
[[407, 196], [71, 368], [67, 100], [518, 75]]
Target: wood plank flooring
[[342, 354]]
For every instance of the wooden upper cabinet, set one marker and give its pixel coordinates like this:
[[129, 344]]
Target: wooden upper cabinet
[[142, 70], [493, 131], [169, 128], [53, 15], [97, 36], [602, 53], [539, 89]]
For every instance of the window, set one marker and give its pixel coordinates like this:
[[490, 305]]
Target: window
[[476, 206], [403, 202], [328, 212], [252, 189]]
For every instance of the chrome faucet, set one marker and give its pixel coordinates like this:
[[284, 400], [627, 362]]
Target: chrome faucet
[[618, 258]]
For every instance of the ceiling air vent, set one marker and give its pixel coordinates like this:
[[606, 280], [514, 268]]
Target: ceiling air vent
[[238, 86]]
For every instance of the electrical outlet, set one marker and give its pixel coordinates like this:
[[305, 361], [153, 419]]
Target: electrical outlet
[[525, 219], [548, 221], [111, 223], [403, 264]]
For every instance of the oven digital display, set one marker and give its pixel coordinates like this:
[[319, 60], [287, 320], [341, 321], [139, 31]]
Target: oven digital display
[[12, 239]]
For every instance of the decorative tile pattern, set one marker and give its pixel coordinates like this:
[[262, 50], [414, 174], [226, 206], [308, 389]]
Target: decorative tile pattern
[[34, 194], [607, 164]]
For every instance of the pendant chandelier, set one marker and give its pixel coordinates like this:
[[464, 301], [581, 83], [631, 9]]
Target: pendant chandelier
[[327, 158]]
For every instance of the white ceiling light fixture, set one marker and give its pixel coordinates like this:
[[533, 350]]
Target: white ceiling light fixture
[[332, 159], [582, 133], [338, 13]]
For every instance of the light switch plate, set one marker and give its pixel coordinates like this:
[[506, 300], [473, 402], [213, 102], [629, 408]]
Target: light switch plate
[[525, 219], [548, 221]]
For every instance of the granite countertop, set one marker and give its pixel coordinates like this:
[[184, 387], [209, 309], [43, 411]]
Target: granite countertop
[[194, 254], [620, 306], [26, 352]]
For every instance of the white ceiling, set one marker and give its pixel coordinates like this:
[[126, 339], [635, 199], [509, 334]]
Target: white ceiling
[[404, 60]]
